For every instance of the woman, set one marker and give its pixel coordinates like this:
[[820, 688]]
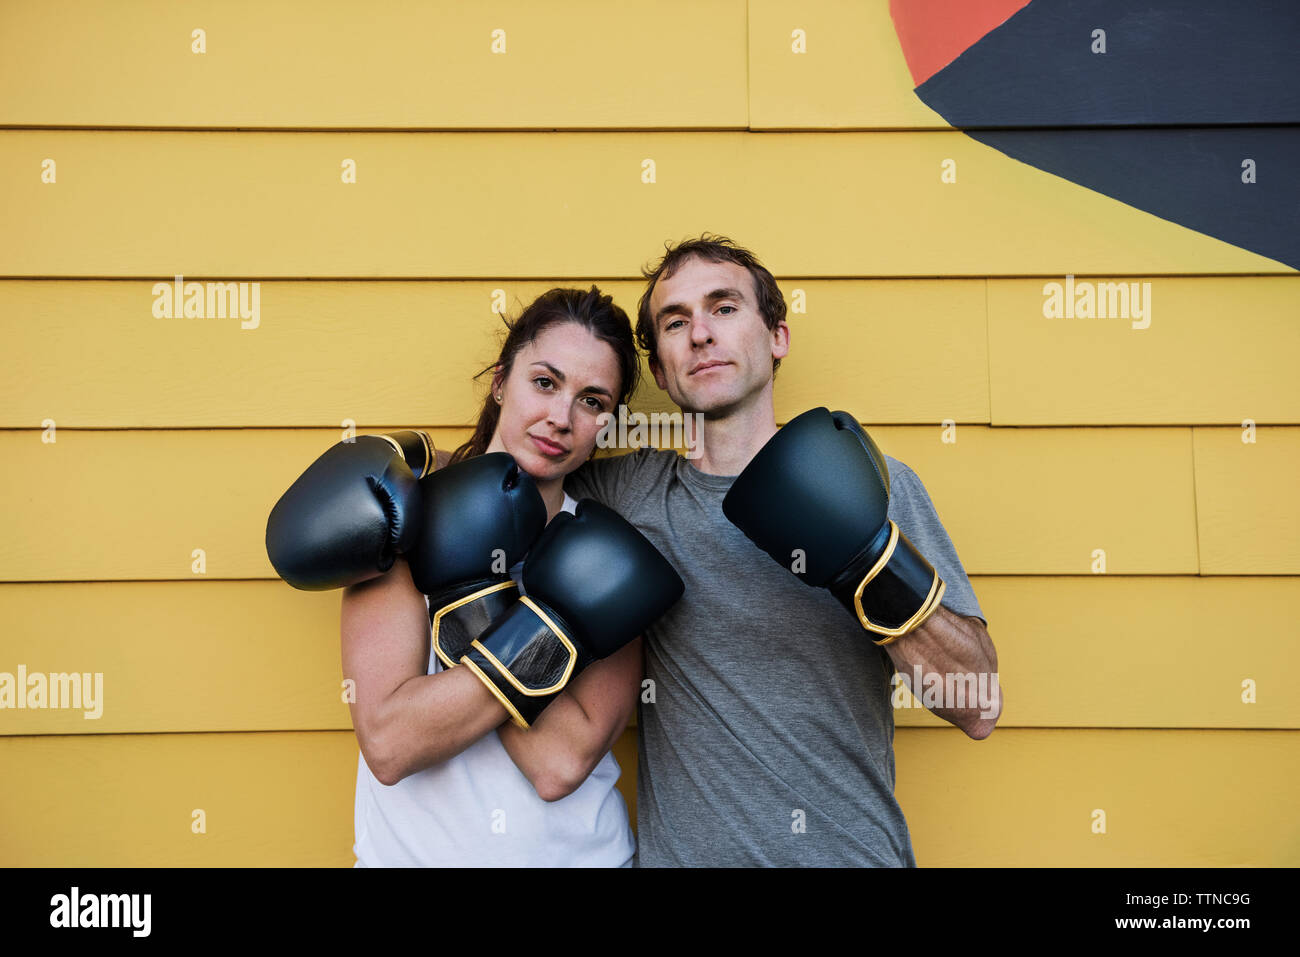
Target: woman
[[443, 778]]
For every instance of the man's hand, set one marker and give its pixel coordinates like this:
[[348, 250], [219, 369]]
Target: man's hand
[[816, 498]]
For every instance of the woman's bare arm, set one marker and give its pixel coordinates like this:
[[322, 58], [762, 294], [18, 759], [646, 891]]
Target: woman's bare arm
[[579, 727], [405, 719]]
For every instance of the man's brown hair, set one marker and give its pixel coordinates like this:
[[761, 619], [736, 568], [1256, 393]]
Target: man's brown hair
[[715, 249]]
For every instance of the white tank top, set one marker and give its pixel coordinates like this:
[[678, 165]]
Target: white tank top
[[478, 810]]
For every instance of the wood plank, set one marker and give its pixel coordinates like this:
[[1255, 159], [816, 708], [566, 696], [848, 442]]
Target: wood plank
[[1248, 517], [902, 351], [1105, 651], [1171, 798], [137, 505], [269, 800], [1014, 501], [232, 206], [1026, 798], [1042, 501], [177, 656], [1205, 351], [404, 65], [91, 354], [1146, 651], [851, 73]]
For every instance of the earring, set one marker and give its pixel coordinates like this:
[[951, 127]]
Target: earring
[[498, 397]]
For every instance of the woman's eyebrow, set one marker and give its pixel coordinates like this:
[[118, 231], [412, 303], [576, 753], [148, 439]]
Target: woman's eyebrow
[[550, 368], [558, 375]]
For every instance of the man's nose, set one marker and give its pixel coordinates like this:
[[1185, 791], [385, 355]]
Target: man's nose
[[702, 329]]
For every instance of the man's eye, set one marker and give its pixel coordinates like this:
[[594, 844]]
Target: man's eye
[[673, 324], [730, 309]]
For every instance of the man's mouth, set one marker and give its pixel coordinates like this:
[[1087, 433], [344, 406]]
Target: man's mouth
[[706, 366]]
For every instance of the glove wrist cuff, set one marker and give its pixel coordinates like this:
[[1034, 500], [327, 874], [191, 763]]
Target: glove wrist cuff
[[526, 658], [415, 447], [459, 615], [891, 590]]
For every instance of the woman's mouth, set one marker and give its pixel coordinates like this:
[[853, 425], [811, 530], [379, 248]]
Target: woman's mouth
[[549, 448]]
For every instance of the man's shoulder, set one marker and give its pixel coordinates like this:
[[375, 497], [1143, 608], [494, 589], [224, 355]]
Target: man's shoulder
[[901, 473], [611, 475], [906, 490]]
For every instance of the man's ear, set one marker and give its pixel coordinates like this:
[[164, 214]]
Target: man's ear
[[781, 340], [657, 371]]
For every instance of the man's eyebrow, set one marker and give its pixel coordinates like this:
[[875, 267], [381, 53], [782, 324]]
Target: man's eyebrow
[[675, 308], [558, 375]]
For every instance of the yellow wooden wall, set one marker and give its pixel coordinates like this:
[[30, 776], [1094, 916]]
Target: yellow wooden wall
[[504, 147]]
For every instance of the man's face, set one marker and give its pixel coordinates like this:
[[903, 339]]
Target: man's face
[[714, 351]]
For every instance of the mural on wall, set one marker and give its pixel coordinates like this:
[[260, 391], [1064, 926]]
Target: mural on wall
[[1186, 109]]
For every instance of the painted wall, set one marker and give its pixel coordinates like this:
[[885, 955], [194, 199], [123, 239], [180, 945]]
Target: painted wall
[[1097, 383]]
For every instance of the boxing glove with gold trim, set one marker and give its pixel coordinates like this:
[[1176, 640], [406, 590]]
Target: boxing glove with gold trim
[[356, 508], [480, 516], [592, 583], [816, 498]]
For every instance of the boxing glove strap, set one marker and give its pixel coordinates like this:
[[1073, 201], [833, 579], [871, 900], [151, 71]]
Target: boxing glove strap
[[458, 616], [415, 447], [896, 593], [525, 658]]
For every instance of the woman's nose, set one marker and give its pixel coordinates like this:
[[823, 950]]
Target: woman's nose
[[559, 411]]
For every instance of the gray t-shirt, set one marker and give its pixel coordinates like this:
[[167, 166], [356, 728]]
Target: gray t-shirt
[[770, 739]]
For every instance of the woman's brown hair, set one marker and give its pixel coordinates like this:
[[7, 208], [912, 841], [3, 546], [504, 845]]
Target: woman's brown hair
[[594, 311]]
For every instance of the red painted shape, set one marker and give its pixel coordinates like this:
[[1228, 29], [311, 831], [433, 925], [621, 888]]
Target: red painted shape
[[933, 33]]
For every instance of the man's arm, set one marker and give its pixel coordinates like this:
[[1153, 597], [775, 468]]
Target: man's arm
[[577, 729], [951, 644], [831, 483]]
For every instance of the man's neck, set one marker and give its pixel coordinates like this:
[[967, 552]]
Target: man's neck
[[726, 445]]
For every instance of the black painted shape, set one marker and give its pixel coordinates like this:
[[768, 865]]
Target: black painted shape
[[1192, 177], [1167, 62]]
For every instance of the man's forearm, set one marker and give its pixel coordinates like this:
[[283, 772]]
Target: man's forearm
[[947, 646]]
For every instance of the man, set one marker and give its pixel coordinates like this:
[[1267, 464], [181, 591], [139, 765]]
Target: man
[[769, 739]]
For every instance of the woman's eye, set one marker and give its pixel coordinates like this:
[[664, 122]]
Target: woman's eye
[[544, 382], [595, 404]]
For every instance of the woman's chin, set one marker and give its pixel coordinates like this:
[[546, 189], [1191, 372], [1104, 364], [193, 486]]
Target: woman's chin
[[543, 469]]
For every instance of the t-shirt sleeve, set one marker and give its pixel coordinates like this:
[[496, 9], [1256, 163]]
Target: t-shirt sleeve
[[910, 507], [603, 479]]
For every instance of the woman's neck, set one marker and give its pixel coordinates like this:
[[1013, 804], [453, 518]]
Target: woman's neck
[[552, 492]]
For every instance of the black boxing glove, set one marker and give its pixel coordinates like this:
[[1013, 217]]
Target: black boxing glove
[[821, 485], [347, 518], [479, 518], [592, 583]]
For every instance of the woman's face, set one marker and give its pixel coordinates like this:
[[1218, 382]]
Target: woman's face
[[551, 402]]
